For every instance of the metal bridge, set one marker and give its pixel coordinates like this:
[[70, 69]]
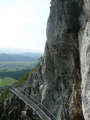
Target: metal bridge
[[39, 108]]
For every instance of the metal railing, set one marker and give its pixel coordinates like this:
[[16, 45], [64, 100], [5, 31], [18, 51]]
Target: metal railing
[[39, 108], [40, 105]]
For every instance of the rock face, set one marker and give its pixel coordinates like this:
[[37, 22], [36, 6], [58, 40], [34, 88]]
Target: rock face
[[59, 78], [11, 109], [85, 63], [63, 69], [14, 108]]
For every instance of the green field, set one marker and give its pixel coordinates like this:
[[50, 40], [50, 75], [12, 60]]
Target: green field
[[13, 66], [16, 69], [7, 81]]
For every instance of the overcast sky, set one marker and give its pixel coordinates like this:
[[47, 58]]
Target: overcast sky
[[23, 24]]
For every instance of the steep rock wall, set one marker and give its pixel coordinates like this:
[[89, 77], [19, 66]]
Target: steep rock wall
[[85, 64], [57, 83], [85, 70], [59, 78]]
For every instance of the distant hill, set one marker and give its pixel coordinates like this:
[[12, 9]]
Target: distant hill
[[33, 55], [19, 57]]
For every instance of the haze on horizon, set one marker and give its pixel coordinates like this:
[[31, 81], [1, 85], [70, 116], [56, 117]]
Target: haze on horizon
[[23, 24]]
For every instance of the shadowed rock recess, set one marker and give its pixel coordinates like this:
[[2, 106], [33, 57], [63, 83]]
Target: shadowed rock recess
[[58, 81]]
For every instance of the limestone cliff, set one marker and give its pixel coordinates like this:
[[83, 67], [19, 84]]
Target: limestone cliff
[[59, 77], [57, 83], [60, 69]]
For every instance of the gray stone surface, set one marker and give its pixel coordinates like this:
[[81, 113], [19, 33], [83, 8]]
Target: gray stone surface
[[85, 70], [62, 82], [59, 77]]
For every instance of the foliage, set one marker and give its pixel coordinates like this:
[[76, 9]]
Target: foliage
[[7, 81], [4, 95], [25, 77]]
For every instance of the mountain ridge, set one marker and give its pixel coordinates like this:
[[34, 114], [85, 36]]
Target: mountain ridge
[[19, 57]]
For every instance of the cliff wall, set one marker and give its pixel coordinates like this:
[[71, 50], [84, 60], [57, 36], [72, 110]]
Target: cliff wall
[[60, 77], [60, 82]]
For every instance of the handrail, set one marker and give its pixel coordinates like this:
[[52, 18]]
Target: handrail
[[30, 103], [40, 105]]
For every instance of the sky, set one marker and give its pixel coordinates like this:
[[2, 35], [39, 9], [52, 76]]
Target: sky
[[23, 24]]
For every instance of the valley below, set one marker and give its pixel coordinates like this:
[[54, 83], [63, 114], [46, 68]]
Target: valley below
[[16, 69], [13, 67]]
